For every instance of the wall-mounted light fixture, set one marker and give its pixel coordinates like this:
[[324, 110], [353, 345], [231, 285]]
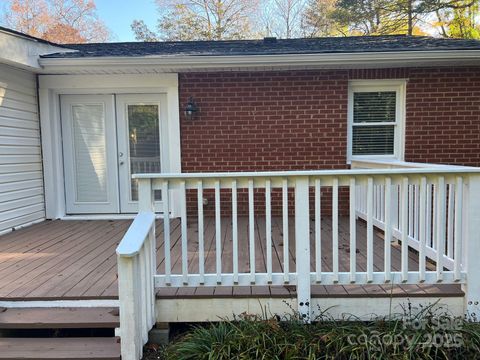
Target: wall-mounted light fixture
[[191, 109]]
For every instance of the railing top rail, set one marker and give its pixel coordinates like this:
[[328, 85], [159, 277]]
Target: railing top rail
[[397, 164], [136, 234], [279, 174]]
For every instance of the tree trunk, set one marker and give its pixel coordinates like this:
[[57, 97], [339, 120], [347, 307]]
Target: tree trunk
[[410, 18]]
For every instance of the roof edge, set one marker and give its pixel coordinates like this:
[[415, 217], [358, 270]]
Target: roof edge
[[222, 61]]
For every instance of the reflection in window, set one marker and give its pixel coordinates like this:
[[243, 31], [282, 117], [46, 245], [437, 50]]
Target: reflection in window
[[144, 143], [374, 122]]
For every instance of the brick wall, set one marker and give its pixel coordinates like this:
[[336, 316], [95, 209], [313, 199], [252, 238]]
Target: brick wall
[[260, 121], [265, 121], [293, 120], [442, 114]]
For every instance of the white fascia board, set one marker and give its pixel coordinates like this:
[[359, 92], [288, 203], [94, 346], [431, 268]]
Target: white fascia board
[[180, 62], [23, 52]]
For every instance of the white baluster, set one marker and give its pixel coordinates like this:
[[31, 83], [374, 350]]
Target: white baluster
[[218, 233], [429, 214], [440, 226], [404, 227], [410, 210], [458, 236], [335, 228], [251, 230], [235, 231], [201, 245], [183, 219], [416, 220], [370, 195], [268, 229], [318, 232], [166, 231], [451, 198], [353, 231], [286, 258], [422, 230], [388, 229]]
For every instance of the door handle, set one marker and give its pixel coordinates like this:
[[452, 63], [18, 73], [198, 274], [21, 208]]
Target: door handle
[[121, 162]]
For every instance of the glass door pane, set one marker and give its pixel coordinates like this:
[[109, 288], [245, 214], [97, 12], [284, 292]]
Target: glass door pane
[[144, 143]]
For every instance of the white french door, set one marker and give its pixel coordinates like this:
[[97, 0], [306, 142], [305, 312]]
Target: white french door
[[139, 144], [106, 139], [89, 149]]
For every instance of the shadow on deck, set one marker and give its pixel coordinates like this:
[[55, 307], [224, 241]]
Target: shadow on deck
[[75, 259]]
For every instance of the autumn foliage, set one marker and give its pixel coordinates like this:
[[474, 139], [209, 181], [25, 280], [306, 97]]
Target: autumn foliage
[[59, 21]]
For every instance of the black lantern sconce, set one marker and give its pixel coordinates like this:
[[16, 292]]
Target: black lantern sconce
[[191, 109]]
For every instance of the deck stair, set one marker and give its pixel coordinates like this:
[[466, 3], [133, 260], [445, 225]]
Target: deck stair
[[59, 333]]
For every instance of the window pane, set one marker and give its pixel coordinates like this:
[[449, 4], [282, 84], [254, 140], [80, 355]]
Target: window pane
[[144, 139], [373, 140], [374, 107]]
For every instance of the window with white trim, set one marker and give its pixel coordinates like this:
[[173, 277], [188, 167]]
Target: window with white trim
[[376, 112]]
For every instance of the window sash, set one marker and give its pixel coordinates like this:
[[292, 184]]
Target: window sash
[[379, 142], [376, 124], [377, 106]]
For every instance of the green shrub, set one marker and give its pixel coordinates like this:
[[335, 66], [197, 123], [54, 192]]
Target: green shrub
[[427, 335]]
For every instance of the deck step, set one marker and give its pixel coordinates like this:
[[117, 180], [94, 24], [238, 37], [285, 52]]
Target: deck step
[[59, 318], [97, 348]]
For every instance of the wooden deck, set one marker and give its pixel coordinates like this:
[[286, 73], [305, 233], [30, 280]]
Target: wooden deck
[[73, 259]]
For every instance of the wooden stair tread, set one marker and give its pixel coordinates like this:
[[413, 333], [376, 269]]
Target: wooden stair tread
[[98, 348], [58, 318]]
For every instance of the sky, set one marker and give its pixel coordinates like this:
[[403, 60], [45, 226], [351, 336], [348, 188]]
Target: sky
[[119, 14]]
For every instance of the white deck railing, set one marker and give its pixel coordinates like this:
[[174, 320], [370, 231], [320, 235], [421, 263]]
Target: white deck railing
[[395, 200], [433, 209], [136, 268]]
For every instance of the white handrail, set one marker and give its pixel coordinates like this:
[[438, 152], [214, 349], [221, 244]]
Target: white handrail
[[136, 268], [279, 174], [397, 164], [134, 238]]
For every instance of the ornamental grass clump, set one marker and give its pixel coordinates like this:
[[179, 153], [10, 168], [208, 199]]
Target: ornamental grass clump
[[429, 334]]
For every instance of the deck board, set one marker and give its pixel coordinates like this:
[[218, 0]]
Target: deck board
[[76, 260]]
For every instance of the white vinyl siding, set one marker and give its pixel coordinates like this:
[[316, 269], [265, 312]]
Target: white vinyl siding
[[21, 183], [375, 115]]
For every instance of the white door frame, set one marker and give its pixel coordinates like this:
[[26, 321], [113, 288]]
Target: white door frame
[[72, 203], [52, 86]]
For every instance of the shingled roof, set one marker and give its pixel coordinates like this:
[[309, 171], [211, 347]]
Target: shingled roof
[[269, 46]]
